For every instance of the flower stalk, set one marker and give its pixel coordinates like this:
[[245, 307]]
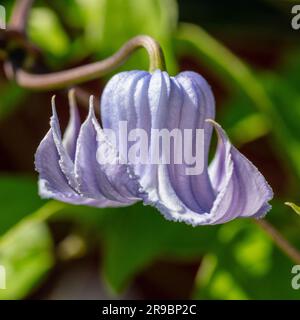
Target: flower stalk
[[62, 79], [20, 14]]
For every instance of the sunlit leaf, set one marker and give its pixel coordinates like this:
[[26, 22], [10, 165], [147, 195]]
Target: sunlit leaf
[[26, 257], [107, 29], [247, 265], [46, 31], [294, 207], [26, 252]]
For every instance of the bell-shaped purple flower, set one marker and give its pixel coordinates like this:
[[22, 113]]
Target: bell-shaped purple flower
[[71, 169]]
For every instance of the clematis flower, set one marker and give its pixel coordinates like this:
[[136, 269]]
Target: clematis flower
[[70, 170]]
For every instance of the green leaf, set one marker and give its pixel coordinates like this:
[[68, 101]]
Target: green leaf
[[286, 99], [252, 128], [18, 198], [106, 30], [135, 236], [294, 207], [26, 252], [26, 257], [242, 123], [216, 283], [239, 260], [43, 21], [222, 61], [241, 257], [246, 265]]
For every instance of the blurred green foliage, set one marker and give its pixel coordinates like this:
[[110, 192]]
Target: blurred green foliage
[[238, 261], [11, 95], [238, 252], [18, 198], [44, 21], [26, 252], [100, 22], [246, 266]]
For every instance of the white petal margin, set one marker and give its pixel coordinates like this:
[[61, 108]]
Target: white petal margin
[[240, 189]]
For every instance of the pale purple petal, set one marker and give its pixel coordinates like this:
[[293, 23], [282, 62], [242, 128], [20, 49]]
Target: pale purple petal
[[96, 180], [58, 177], [242, 191], [65, 162], [159, 101], [71, 169], [52, 181], [73, 127]]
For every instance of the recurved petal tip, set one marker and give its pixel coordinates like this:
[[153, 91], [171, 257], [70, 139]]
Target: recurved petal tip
[[242, 190]]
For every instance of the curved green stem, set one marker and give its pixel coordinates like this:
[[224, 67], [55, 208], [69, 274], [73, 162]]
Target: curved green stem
[[80, 74], [90, 71]]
